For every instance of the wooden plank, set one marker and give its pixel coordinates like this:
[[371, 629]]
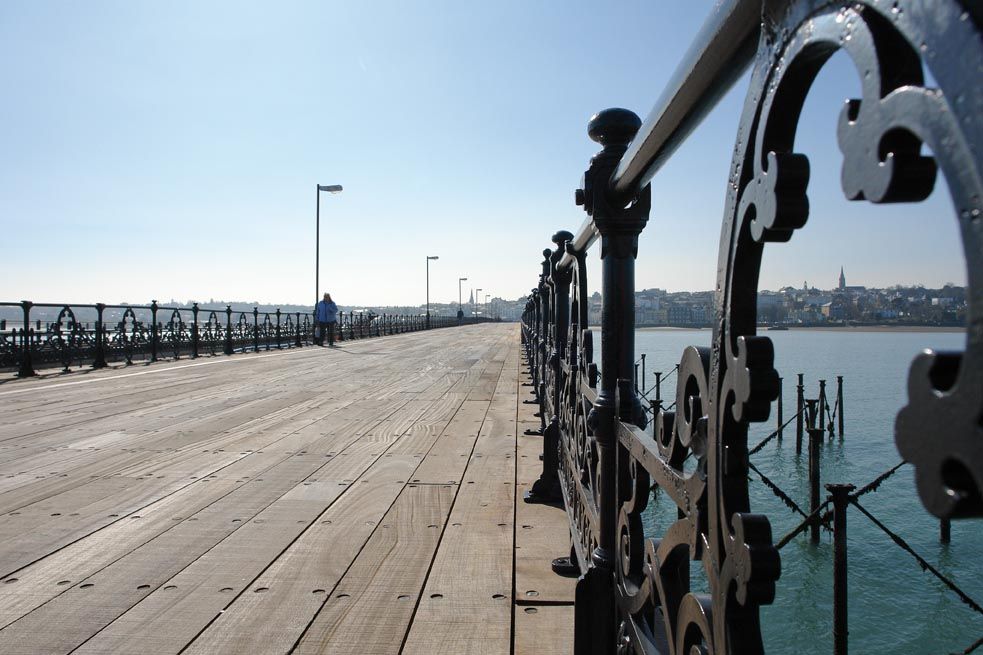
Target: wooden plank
[[115, 595], [373, 603], [68, 620], [170, 617], [317, 410], [272, 613], [542, 533], [544, 630], [89, 555], [448, 458], [462, 609]]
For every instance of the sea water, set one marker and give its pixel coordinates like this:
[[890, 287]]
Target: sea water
[[894, 607]]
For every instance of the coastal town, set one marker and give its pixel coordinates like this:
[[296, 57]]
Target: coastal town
[[805, 306]]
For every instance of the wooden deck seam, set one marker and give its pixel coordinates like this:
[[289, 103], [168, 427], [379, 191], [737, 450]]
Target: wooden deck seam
[[355, 438], [456, 487], [403, 400], [360, 549]]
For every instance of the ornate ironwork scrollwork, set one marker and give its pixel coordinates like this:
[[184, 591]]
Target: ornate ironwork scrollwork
[[698, 453], [881, 136]]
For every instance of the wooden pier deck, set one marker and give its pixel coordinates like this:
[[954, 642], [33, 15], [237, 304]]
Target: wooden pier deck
[[352, 500]]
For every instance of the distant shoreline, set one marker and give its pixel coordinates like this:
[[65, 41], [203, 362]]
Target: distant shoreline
[[815, 328]]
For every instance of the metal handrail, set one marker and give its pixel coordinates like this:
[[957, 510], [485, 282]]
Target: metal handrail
[[722, 51]]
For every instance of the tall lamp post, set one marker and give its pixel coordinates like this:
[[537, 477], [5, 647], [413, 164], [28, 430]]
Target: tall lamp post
[[487, 315], [460, 309], [429, 257], [477, 295], [334, 189]]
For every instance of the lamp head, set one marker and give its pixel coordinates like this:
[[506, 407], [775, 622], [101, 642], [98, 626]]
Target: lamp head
[[330, 188]]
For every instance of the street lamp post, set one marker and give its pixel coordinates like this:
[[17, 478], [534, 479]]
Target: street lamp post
[[487, 315], [474, 307], [429, 257], [334, 189], [460, 309]]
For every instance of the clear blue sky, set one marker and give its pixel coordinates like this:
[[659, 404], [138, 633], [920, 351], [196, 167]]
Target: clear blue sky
[[171, 150]]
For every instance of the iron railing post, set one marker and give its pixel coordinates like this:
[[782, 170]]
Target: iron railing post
[[154, 334], [595, 615], [26, 362], [279, 346], [299, 342], [194, 330], [255, 329], [228, 330], [541, 344], [99, 360], [546, 489]]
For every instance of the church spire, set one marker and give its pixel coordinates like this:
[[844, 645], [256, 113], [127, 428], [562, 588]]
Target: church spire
[[842, 279]]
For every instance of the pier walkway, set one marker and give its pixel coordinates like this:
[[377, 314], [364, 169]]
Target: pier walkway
[[352, 500]]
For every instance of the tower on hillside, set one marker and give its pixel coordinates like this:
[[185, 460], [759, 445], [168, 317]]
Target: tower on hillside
[[842, 279]]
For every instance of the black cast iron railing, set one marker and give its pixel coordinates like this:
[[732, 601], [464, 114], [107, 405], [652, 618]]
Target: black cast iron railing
[[96, 335], [634, 592]]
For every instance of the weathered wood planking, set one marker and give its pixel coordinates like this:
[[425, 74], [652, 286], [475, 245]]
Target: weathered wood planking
[[277, 502], [466, 604], [373, 603], [544, 630]]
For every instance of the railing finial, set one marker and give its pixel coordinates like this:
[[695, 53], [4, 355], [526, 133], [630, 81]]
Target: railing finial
[[614, 127]]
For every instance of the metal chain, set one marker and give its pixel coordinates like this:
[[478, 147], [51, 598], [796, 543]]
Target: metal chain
[[963, 596], [771, 436]]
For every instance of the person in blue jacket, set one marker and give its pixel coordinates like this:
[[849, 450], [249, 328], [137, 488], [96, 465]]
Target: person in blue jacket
[[326, 315]]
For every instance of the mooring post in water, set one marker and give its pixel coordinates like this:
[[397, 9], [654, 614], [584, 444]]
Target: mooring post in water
[[840, 497], [839, 402], [658, 389], [643, 373], [823, 406], [945, 531], [779, 417], [799, 408], [815, 441]]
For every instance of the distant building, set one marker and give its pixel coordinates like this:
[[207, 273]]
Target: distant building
[[842, 280]]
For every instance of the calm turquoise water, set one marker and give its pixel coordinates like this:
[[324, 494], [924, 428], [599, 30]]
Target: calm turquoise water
[[894, 606]]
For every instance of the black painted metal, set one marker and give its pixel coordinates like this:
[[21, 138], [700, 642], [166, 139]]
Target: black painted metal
[[98, 334], [840, 498], [635, 593]]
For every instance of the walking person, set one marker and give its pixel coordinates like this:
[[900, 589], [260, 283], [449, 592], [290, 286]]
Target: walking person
[[326, 315]]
